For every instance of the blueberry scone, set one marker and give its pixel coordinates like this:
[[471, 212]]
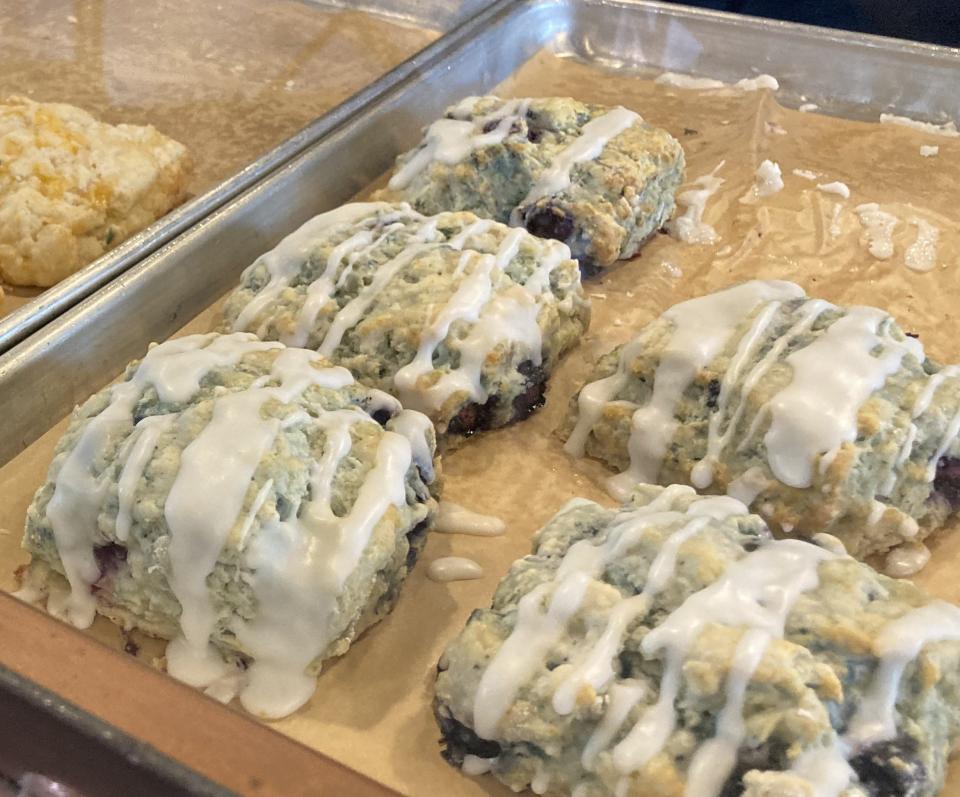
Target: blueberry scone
[[599, 179], [821, 418], [72, 187], [245, 500], [461, 318], [672, 647]]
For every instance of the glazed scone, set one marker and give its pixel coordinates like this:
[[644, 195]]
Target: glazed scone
[[599, 179], [461, 318], [248, 501], [820, 418], [672, 647], [72, 187]]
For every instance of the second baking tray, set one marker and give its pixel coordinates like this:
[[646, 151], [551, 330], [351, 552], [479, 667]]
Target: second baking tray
[[78, 353], [233, 82]]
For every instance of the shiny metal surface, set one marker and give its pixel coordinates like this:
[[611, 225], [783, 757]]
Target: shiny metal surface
[[44, 376]]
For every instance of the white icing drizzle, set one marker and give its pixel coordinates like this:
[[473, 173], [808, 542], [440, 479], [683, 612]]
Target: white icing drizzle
[[878, 228], [927, 151], [769, 179], [702, 327], [836, 187], [806, 174], [921, 255], [284, 261], [757, 593], [899, 643], [474, 765], [455, 519], [948, 129], [748, 485], [542, 614], [586, 147], [622, 696], [906, 559], [174, 369], [146, 434], [454, 568], [449, 141], [832, 377], [808, 107], [715, 759], [690, 227]]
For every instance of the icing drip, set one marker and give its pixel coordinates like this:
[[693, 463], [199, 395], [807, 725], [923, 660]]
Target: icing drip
[[921, 255], [701, 329], [690, 227], [769, 179], [455, 519], [454, 568], [587, 147], [906, 559], [841, 189], [929, 152], [832, 377], [878, 228], [449, 141], [705, 83], [948, 129]]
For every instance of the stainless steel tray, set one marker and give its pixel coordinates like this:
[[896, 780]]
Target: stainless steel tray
[[213, 167], [333, 159]]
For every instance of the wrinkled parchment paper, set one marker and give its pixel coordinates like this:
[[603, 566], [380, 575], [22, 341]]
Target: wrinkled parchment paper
[[230, 79], [372, 708]]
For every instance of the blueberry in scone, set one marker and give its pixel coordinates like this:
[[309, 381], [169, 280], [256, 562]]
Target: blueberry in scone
[[673, 647], [461, 318], [247, 501], [820, 418], [72, 187], [600, 179]]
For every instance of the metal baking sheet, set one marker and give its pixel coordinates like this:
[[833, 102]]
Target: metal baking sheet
[[233, 82], [89, 346]]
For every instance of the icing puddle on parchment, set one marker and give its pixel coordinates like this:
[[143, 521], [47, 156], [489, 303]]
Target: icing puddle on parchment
[[372, 709]]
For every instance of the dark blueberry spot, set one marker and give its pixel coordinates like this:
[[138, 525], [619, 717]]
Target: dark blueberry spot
[[459, 740], [129, 646], [915, 335], [472, 418], [588, 267], [284, 507], [109, 557], [549, 221], [713, 393], [947, 481], [416, 537], [533, 135], [689, 131], [490, 126], [750, 546], [532, 397], [891, 769], [765, 757], [381, 416]]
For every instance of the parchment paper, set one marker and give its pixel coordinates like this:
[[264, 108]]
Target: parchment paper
[[372, 708], [228, 79]]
